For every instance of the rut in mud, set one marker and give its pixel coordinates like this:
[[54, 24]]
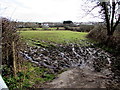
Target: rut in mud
[[90, 62]]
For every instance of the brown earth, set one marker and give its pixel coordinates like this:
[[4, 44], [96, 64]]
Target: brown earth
[[79, 78]]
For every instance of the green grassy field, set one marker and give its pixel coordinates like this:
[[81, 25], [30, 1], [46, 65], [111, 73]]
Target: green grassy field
[[59, 37]]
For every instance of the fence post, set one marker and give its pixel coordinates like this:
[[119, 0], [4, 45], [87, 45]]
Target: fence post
[[14, 59]]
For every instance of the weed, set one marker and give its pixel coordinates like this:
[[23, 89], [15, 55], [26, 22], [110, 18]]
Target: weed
[[28, 76]]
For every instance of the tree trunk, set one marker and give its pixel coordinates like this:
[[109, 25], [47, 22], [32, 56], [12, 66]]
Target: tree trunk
[[110, 33]]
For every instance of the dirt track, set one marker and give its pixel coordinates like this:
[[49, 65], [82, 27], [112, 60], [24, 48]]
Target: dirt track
[[79, 78]]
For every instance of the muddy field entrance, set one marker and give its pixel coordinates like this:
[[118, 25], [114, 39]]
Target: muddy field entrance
[[81, 66]]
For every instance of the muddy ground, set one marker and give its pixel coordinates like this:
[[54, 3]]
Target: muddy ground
[[83, 66]]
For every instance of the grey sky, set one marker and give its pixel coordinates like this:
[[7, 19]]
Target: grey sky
[[44, 10]]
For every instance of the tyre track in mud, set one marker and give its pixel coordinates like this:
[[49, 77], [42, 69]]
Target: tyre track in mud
[[87, 66]]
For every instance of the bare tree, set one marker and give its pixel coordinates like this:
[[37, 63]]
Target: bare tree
[[109, 10], [111, 15]]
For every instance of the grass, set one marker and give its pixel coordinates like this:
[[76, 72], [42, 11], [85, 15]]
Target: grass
[[28, 76], [59, 37]]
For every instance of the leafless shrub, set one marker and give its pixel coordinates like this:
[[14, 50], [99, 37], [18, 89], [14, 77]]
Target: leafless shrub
[[81, 28], [99, 33], [10, 44], [85, 28]]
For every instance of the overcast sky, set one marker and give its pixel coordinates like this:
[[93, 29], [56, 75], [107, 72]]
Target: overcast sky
[[44, 10]]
